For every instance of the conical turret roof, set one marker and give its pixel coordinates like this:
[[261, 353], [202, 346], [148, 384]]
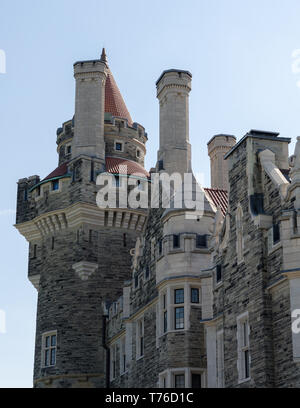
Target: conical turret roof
[[114, 102]]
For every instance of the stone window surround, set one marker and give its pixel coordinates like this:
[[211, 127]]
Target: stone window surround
[[43, 347], [113, 361], [241, 319], [121, 143], [169, 376], [67, 145], [271, 246], [168, 290], [167, 244], [122, 349], [140, 322]]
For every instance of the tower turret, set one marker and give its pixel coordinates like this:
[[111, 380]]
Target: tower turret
[[79, 254], [90, 79], [173, 88]]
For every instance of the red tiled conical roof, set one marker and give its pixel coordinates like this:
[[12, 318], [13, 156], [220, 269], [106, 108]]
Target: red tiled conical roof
[[114, 102], [117, 165]]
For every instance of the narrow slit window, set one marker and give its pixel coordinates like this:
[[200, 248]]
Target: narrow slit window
[[176, 241]]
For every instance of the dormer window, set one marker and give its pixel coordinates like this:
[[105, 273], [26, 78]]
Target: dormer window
[[119, 146], [55, 185]]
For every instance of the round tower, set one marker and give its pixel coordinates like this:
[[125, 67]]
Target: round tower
[[79, 254], [218, 146]]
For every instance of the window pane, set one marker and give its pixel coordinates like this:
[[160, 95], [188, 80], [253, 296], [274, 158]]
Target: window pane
[[142, 346], [176, 241], [245, 334], [179, 296], [247, 367], [47, 354], [53, 340], [165, 321], [55, 185], [47, 341], [196, 380], [201, 241], [219, 273], [119, 146], [195, 295], [179, 318], [179, 381], [276, 233], [53, 355]]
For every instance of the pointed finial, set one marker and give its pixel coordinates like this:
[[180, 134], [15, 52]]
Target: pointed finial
[[103, 56]]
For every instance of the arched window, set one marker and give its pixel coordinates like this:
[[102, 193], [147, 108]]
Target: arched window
[[239, 234]]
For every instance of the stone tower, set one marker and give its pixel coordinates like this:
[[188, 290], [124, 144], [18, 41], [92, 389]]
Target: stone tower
[[173, 88], [218, 146], [79, 254]]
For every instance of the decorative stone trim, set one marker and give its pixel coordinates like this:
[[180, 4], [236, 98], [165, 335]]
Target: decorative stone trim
[[84, 269], [35, 280], [78, 214]]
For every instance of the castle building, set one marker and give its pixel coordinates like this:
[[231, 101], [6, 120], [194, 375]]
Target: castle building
[[164, 296]]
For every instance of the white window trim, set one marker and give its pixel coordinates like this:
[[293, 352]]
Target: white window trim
[[241, 319], [44, 335]]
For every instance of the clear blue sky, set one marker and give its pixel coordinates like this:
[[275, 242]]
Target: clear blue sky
[[239, 53]]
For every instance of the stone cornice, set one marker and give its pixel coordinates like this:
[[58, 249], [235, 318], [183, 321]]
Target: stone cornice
[[78, 214]]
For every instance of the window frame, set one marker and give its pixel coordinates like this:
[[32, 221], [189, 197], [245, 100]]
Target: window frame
[[243, 340], [140, 338], [117, 142], [49, 349], [198, 295], [181, 318]]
